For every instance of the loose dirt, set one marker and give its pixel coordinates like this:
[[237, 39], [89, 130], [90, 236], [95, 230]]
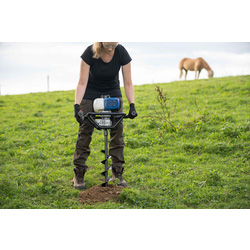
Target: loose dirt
[[98, 194]]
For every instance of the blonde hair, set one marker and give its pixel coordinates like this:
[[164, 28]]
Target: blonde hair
[[97, 49]]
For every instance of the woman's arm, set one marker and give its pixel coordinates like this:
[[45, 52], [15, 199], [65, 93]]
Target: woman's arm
[[128, 85], [82, 84]]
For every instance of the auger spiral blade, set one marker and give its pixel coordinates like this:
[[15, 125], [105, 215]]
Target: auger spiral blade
[[104, 161], [105, 184], [104, 172]]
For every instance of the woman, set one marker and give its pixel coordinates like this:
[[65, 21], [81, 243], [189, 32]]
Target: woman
[[99, 75]]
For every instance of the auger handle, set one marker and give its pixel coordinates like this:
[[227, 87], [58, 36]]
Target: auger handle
[[92, 116], [134, 113], [80, 113]]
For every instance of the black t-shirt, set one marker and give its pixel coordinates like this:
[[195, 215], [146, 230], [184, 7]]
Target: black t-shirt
[[104, 77]]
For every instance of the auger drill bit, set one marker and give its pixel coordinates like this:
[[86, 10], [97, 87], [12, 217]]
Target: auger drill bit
[[105, 162]]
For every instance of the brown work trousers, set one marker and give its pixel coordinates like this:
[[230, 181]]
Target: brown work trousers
[[116, 144]]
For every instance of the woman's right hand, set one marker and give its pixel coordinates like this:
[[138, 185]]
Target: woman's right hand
[[77, 110], [132, 112]]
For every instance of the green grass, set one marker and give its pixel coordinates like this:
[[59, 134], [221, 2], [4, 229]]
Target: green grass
[[202, 163]]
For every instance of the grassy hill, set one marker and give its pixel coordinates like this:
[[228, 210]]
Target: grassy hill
[[189, 148]]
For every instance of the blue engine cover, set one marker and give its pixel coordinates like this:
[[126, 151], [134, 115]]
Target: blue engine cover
[[111, 103]]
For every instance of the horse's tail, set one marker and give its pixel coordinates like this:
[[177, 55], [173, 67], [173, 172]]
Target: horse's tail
[[181, 63], [181, 66]]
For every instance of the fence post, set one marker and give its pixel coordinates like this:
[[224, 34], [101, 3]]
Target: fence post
[[48, 83]]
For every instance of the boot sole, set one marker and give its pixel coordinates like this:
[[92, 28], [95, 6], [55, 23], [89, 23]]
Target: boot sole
[[123, 184], [80, 187]]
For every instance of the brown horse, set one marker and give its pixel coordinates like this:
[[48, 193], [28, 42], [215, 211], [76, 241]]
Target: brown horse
[[194, 65]]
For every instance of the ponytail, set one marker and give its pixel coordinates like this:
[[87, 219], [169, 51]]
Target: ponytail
[[97, 49]]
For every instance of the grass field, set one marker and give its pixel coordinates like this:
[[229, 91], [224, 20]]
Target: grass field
[[190, 152]]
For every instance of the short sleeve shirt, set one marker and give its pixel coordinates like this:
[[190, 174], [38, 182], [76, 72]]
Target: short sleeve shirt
[[104, 77]]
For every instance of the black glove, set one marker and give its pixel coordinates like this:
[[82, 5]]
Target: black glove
[[132, 112], [77, 110]]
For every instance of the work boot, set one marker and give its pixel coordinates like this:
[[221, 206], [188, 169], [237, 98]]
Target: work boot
[[78, 180], [117, 173]]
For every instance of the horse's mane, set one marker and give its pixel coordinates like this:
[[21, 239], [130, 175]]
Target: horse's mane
[[206, 66]]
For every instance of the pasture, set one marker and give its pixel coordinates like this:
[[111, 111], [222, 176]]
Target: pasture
[[191, 150]]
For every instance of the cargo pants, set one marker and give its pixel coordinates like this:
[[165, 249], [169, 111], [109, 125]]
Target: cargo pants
[[82, 151]]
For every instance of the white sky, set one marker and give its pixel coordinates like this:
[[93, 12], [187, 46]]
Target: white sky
[[24, 67]]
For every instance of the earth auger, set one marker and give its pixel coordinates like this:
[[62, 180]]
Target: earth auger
[[105, 118]]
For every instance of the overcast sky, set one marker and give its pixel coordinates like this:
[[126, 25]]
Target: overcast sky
[[24, 67]]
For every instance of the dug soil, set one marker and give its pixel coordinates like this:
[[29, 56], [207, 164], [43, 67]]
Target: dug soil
[[98, 194]]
